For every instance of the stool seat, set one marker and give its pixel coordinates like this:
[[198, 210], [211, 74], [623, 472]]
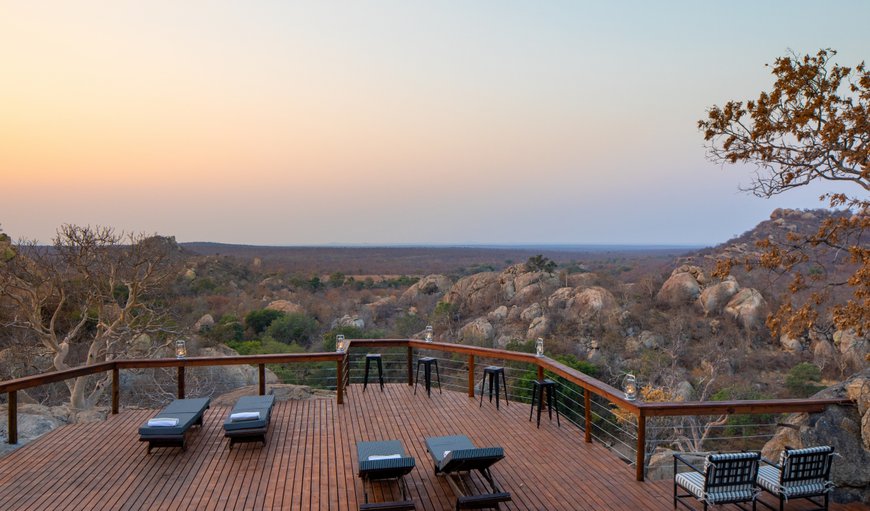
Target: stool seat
[[496, 378], [538, 389], [376, 357], [427, 363]]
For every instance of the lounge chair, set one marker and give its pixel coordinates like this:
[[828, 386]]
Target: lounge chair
[[169, 426], [727, 478], [249, 419], [384, 460], [455, 457], [800, 474]]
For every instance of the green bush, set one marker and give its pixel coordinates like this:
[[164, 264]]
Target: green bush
[[409, 324], [259, 320], [295, 327], [801, 380], [228, 328]]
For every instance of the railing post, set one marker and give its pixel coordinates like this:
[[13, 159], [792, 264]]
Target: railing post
[[12, 436], [641, 442], [116, 390], [471, 376], [261, 369], [180, 382], [339, 380], [587, 405], [540, 373], [410, 365]]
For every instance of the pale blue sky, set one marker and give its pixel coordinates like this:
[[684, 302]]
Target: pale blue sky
[[391, 122]]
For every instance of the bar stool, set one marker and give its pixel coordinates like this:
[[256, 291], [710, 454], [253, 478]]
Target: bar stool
[[427, 362], [538, 395], [495, 373], [376, 357]]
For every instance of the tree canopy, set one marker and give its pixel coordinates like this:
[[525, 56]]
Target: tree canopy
[[812, 126]]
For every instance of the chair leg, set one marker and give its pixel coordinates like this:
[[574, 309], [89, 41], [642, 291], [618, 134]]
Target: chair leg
[[381, 374], [366, 375]]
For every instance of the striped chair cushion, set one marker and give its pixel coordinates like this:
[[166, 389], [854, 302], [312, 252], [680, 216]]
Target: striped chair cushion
[[769, 479], [694, 483]]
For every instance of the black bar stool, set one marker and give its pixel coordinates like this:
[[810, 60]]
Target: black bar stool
[[376, 357], [538, 395], [427, 362], [495, 374]]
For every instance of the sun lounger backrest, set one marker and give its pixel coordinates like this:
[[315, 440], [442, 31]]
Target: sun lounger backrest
[[471, 459], [382, 469]]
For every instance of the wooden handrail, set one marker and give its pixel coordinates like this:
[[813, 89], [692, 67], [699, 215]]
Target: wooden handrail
[[590, 385]]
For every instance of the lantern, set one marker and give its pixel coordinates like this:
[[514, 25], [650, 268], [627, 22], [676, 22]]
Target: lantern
[[539, 347], [180, 349], [629, 386], [340, 343], [429, 333]]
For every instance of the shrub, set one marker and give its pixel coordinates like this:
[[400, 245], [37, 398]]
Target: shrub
[[259, 320], [290, 328], [801, 379]]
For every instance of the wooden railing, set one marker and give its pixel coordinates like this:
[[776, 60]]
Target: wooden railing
[[590, 385]]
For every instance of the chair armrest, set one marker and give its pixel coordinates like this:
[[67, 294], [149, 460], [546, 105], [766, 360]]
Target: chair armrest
[[771, 463], [678, 457]]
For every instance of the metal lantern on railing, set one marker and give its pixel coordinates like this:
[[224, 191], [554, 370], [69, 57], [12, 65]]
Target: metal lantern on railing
[[629, 386], [539, 347], [429, 333], [340, 343], [180, 349]]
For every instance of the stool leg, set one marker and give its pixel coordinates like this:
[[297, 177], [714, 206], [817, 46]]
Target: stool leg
[[534, 395], [416, 377], [366, 376], [496, 390], [556, 406], [427, 373], [540, 403], [381, 374], [438, 375], [482, 386], [504, 384], [550, 402], [491, 376]]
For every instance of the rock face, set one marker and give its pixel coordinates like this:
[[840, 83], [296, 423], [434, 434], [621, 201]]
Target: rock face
[[846, 428], [286, 306], [714, 298], [539, 327], [348, 320], [853, 349], [33, 422], [427, 286], [747, 307], [204, 323], [478, 330], [476, 293], [683, 286]]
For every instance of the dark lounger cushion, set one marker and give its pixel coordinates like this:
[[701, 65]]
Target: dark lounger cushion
[[187, 411], [439, 444], [383, 468], [261, 404]]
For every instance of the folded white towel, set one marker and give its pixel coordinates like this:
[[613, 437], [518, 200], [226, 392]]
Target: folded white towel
[[445, 454], [244, 416], [377, 457], [162, 423]]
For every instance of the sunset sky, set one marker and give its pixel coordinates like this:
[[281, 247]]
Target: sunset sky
[[287, 123]]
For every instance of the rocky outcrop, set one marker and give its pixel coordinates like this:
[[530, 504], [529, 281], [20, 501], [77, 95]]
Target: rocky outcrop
[[476, 293], [478, 330], [592, 302], [499, 314], [748, 308], [430, 285], [382, 307], [539, 327], [286, 306], [203, 323], [33, 421], [683, 286], [715, 297], [853, 349], [348, 320], [531, 312], [790, 344], [846, 428]]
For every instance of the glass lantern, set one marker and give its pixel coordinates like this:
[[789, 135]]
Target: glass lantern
[[340, 343], [428, 336], [539, 347], [180, 349], [629, 386]]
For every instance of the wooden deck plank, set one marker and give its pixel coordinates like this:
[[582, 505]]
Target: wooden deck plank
[[309, 460]]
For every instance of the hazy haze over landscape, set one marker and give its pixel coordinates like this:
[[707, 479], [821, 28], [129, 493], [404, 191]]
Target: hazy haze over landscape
[[455, 122]]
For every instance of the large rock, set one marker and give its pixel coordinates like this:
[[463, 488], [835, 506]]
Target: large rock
[[539, 327], [476, 293], [853, 349], [592, 302], [430, 285], [499, 314], [286, 306], [204, 323], [748, 308], [683, 286], [348, 320], [790, 344], [33, 422], [846, 428], [531, 312], [478, 330], [715, 297]]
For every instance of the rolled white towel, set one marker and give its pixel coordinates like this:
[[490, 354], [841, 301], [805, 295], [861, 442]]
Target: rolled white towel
[[162, 422], [445, 454], [376, 457], [244, 416]]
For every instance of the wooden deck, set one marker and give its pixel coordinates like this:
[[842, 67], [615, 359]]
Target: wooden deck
[[309, 461]]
